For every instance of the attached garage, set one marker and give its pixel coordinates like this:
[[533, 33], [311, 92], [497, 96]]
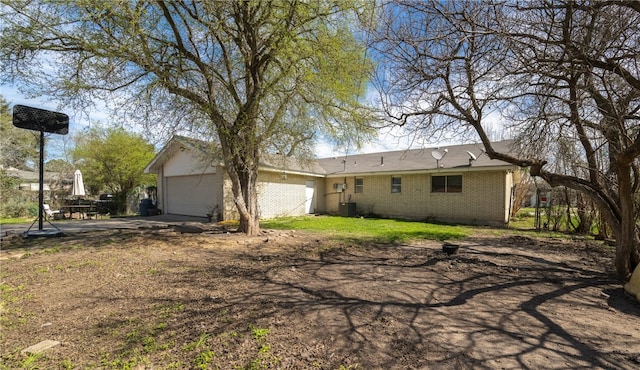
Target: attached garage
[[188, 183], [191, 182], [194, 195]]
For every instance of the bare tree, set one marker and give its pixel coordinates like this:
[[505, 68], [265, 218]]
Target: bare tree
[[524, 189], [563, 74], [255, 75]]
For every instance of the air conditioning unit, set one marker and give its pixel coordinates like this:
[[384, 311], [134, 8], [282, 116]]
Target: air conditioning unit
[[339, 187]]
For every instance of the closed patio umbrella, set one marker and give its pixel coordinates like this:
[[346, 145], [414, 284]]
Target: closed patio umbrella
[[78, 185]]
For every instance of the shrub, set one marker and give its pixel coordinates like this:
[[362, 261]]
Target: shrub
[[18, 207]]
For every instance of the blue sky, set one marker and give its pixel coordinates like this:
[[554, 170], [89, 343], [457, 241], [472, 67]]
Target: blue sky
[[78, 121], [55, 144]]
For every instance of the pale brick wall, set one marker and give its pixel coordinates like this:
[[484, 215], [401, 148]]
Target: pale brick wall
[[320, 195], [230, 209], [218, 194], [277, 196], [281, 197], [484, 199], [510, 181]]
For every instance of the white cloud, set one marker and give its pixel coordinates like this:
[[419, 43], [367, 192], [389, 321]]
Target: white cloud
[[388, 139]]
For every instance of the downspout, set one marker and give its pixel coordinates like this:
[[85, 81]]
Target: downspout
[[163, 190], [511, 196]]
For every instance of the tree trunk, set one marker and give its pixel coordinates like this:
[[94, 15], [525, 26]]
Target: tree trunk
[[249, 220], [245, 195], [627, 256], [585, 216], [619, 212]]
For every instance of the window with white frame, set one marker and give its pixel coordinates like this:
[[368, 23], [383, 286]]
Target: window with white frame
[[396, 184], [359, 185]]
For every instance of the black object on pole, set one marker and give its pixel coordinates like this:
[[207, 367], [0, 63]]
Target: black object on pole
[[44, 121], [40, 120]]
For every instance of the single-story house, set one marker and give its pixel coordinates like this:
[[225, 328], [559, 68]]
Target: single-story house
[[30, 180], [457, 184]]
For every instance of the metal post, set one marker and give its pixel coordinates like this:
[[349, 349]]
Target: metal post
[[41, 188], [537, 218]]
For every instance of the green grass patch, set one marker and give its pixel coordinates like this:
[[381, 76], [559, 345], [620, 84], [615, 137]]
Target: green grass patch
[[9, 296], [522, 223], [15, 220], [372, 229], [555, 219]]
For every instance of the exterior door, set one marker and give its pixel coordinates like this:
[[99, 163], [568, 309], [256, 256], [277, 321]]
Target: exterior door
[[310, 204]]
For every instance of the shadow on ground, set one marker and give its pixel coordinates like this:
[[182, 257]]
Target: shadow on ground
[[499, 303]]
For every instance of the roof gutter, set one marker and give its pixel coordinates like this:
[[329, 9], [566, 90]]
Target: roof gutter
[[426, 171], [290, 172]]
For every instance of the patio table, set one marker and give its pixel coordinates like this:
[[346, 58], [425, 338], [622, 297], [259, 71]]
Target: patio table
[[83, 210]]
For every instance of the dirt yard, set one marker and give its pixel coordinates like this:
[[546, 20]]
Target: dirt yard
[[162, 299]]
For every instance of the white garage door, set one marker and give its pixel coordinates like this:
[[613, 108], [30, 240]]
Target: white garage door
[[191, 195]]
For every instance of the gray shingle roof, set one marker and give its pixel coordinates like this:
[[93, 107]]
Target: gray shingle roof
[[456, 158], [34, 176], [399, 161], [275, 162]]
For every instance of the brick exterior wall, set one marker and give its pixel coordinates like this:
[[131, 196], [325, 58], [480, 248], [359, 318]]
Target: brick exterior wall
[[277, 196], [230, 209], [281, 197], [484, 198]]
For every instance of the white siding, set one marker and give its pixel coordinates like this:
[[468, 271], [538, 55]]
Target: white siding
[[184, 163]]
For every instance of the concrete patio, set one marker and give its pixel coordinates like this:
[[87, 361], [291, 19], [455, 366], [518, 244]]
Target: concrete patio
[[71, 226]]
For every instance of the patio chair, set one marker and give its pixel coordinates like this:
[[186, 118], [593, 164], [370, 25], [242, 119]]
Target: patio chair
[[49, 213]]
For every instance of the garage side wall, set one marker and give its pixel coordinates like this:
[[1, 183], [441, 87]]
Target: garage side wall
[[281, 195], [483, 199], [188, 187], [278, 195], [160, 191]]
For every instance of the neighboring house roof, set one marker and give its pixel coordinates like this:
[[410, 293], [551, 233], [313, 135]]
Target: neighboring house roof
[[454, 158], [33, 176], [413, 160]]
